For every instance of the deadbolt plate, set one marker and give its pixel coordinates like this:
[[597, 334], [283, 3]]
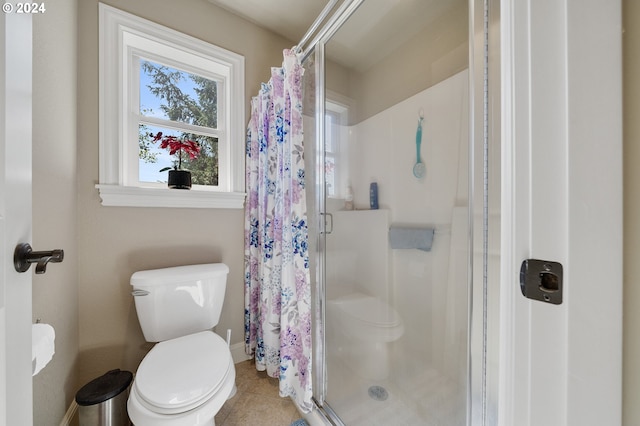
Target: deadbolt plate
[[541, 280]]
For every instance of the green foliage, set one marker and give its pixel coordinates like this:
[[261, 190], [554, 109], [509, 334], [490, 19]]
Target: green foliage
[[207, 91], [144, 143], [204, 168], [181, 107]]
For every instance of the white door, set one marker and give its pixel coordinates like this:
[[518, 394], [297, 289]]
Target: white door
[[15, 218], [562, 201]]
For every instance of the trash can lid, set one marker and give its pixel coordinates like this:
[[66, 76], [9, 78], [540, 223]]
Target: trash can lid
[[105, 387]]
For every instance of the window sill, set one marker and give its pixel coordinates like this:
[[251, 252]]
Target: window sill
[[131, 196]]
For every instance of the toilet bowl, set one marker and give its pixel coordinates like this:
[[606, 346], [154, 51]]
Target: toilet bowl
[[189, 374], [368, 325], [182, 382]]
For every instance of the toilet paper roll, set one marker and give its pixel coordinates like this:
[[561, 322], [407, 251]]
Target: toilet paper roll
[[43, 338]]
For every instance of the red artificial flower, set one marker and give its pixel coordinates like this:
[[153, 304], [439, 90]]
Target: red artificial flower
[[175, 145]]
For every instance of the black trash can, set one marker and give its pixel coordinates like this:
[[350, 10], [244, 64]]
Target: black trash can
[[103, 401]]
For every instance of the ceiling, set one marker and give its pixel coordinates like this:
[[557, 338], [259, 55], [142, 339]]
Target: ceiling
[[289, 18], [375, 30]]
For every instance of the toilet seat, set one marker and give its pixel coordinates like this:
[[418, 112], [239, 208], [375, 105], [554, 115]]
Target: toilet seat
[[181, 374], [202, 415]]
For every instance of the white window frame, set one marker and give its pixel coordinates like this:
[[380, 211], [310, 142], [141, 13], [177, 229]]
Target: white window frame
[[337, 107], [124, 39]]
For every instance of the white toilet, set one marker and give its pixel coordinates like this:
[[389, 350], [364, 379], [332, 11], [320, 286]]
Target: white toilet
[[187, 377], [368, 325]]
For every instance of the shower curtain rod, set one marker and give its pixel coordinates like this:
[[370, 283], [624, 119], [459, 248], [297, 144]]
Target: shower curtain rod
[[335, 21], [314, 27]]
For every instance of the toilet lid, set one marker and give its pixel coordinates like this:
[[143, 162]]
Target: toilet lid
[[370, 310], [180, 374]]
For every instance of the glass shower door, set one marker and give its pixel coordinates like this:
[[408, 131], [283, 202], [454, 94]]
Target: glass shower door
[[391, 282]]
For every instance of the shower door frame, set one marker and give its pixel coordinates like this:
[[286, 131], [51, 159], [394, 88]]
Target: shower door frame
[[317, 48]]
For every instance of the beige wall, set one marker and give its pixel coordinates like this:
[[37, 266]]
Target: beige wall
[[434, 54], [114, 242], [55, 294], [631, 94]]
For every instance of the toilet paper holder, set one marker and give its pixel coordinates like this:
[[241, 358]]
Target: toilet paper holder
[[24, 256]]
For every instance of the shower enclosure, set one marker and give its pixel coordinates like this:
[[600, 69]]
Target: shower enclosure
[[403, 212]]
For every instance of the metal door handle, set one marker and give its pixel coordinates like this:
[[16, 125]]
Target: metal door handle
[[330, 228], [24, 256]]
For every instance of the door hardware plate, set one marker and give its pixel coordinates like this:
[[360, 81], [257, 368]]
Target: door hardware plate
[[541, 280]]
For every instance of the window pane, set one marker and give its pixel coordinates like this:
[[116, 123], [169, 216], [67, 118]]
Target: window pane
[[330, 175], [330, 128], [153, 158], [176, 95]]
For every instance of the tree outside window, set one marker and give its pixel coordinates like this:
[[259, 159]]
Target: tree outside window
[[169, 99]]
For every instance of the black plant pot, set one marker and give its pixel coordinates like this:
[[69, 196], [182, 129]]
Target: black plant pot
[[179, 179]]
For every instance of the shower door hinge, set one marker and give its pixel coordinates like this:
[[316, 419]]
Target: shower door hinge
[[541, 280]]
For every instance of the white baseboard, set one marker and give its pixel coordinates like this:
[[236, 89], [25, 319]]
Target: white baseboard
[[71, 412], [237, 353]]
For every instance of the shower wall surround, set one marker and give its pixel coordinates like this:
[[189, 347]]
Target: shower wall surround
[[358, 250], [387, 145], [382, 149], [428, 289]]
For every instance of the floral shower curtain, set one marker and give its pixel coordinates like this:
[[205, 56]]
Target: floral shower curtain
[[277, 284]]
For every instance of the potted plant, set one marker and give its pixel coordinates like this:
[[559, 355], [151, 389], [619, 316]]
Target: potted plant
[[178, 178]]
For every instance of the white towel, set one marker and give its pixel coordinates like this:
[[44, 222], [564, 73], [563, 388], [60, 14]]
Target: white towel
[[410, 237]]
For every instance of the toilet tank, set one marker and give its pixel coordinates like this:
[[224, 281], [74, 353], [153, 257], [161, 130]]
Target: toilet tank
[[177, 301]]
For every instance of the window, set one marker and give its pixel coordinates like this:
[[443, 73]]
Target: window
[[332, 153], [336, 166], [158, 82]]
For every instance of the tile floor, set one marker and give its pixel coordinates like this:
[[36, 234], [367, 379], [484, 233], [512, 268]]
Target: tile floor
[[257, 401]]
